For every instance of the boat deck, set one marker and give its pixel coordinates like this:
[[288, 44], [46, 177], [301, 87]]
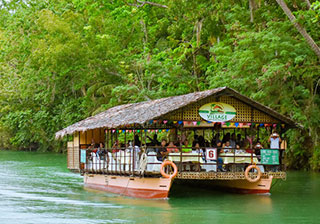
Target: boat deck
[[227, 175]]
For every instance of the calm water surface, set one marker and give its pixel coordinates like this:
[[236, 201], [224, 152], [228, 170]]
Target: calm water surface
[[37, 188]]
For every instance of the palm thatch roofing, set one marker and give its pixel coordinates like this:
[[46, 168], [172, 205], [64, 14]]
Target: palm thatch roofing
[[140, 113]]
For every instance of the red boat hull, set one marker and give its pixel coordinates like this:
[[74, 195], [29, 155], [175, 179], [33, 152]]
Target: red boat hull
[[146, 187], [158, 187]]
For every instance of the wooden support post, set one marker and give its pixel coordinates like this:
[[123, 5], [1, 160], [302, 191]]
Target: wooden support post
[[133, 150]]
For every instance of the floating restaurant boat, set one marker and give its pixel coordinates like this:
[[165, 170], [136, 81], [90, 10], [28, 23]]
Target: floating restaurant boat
[[136, 170]]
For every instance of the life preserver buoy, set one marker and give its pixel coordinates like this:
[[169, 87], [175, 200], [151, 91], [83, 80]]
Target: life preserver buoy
[[248, 178], [164, 174]]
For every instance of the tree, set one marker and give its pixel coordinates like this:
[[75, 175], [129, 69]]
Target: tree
[[301, 30]]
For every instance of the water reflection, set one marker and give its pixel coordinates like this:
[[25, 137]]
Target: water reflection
[[146, 210], [220, 206], [123, 200]]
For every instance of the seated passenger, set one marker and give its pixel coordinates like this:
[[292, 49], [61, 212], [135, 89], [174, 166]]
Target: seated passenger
[[162, 150], [257, 149], [233, 140], [100, 150], [185, 147], [178, 141], [154, 140], [227, 147], [197, 149], [115, 147], [238, 150], [137, 141], [122, 147], [172, 148], [226, 138], [239, 141], [91, 146], [258, 145], [215, 140], [195, 141], [202, 141], [247, 145]]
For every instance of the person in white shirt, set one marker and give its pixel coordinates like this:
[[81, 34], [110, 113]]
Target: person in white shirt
[[274, 140], [227, 147]]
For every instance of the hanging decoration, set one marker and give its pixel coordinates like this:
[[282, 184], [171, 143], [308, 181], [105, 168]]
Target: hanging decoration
[[198, 123]]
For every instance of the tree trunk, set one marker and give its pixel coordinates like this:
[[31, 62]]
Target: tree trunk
[[198, 30], [301, 30], [252, 8], [308, 4]]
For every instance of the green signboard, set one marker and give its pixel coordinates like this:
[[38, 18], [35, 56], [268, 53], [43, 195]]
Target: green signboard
[[270, 156], [83, 156]]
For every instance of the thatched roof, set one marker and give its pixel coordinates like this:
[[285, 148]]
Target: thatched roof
[[140, 113]]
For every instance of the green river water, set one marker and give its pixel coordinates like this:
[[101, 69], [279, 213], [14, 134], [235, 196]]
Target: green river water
[[38, 188]]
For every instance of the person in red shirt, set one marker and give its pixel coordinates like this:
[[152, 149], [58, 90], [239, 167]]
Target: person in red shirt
[[172, 148], [115, 147]]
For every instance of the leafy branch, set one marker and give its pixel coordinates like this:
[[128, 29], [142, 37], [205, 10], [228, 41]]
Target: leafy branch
[[140, 4]]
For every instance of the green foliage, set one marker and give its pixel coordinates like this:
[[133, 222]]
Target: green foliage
[[61, 61], [315, 160]]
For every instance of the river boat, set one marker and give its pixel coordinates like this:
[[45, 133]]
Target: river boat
[[135, 168]]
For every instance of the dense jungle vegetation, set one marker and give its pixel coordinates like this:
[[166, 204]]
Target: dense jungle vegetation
[[61, 61]]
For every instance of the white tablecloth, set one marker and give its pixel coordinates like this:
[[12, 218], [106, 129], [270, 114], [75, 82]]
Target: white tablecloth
[[240, 158], [123, 157], [186, 157]]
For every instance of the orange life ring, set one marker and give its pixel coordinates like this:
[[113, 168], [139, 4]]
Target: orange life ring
[[246, 174], [164, 174]]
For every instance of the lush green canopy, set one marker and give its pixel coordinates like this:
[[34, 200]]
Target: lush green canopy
[[61, 61]]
